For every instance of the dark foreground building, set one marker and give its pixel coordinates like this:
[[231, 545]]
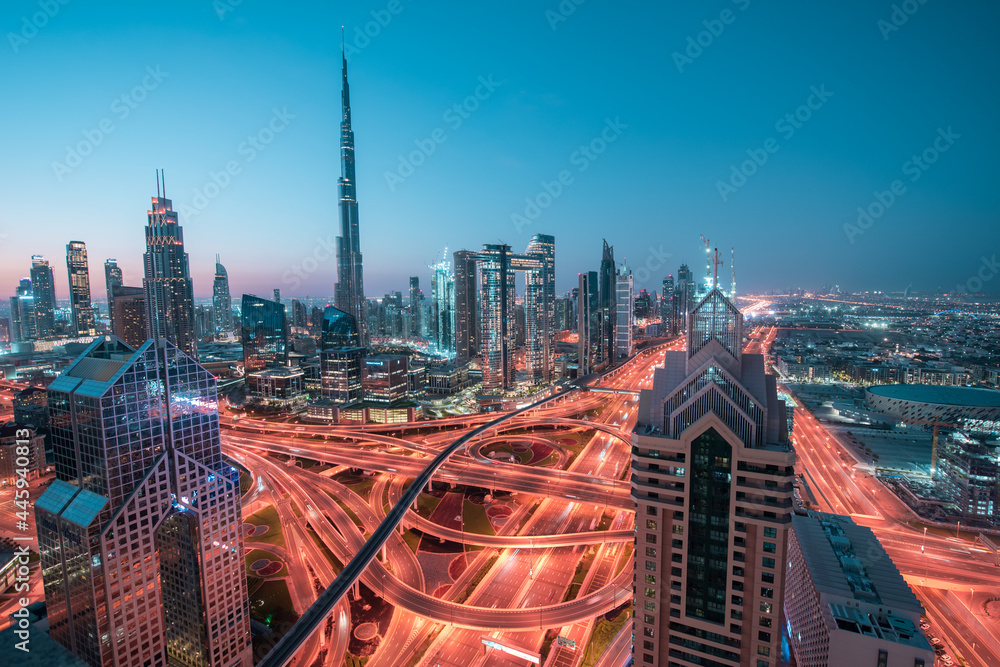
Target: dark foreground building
[[140, 533]]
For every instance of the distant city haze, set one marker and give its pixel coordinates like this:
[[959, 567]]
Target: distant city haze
[[842, 144]]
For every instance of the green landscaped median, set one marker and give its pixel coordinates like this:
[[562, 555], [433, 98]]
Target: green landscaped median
[[267, 517], [260, 554], [476, 520], [271, 604], [603, 634]]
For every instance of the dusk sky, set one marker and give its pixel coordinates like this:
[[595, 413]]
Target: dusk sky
[[201, 78]]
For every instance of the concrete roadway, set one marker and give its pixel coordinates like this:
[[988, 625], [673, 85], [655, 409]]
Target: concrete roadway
[[524, 577], [306, 555]]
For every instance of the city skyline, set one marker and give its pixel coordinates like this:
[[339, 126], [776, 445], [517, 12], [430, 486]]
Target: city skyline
[[457, 452], [535, 107]]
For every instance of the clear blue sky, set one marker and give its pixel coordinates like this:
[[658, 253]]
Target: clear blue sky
[[655, 186]]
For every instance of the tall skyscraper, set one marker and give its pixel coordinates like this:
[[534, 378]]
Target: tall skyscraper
[[264, 334], [166, 277], [140, 535], [466, 307], [588, 324], [496, 317], [222, 303], [668, 318], [624, 314], [300, 318], [539, 266], [130, 314], [79, 289], [712, 475], [497, 311], [443, 305], [350, 292], [606, 301], [44, 293], [112, 278], [415, 298], [684, 296]]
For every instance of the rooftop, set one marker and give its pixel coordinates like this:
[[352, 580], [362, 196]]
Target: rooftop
[[939, 395], [847, 560]]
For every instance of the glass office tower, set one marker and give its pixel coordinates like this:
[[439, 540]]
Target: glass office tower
[[265, 334], [222, 303], [43, 291], [140, 534], [340, 358]]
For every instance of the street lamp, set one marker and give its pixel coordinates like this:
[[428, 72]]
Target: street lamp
[[924, 540]]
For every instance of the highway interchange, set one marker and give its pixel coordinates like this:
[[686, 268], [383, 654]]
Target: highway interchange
[[524, 571]]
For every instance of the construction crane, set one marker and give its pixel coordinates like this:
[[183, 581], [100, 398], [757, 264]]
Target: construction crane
[[708, 261], [732, 265]]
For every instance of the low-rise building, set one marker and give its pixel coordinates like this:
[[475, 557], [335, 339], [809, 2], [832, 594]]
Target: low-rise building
[[280, 387], [845, 601], [386, 378]]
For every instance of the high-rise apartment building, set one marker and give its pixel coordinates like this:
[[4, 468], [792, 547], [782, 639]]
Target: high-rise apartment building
[[112, 279], [79, 289], [624, 315], [264, 333], [466, 307], [222, 302], [44, 293], [167, 278], [350, 291], [140, 535], [712, 475], [129, 307], [845, 602]]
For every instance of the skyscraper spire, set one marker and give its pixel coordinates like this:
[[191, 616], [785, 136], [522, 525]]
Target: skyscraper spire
[[350, 291]]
